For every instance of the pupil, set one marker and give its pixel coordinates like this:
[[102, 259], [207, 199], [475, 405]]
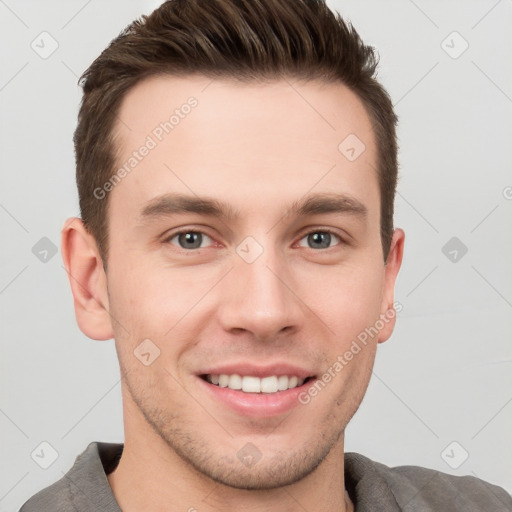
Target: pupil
[[190, 240], [321, 239]]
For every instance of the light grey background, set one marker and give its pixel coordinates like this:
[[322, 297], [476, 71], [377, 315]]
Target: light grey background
[[444, 376]]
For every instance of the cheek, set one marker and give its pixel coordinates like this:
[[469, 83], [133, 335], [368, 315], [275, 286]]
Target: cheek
[[347, 299], [160, 305], [151, 299]]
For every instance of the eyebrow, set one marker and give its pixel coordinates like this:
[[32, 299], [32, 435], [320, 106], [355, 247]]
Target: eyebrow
[[328, 203], [315, 204], [172, 204]]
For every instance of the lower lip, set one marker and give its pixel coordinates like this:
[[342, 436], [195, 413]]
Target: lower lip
[[257, 404]]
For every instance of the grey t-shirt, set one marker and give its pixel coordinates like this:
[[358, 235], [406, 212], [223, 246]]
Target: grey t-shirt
[[373, 487]]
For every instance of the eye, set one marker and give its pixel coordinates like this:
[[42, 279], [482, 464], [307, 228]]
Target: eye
[[319, 240], [190, 239]]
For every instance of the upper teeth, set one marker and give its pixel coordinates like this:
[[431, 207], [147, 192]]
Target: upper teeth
[[250, 384]]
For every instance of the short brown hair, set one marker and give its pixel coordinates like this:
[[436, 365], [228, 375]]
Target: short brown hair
[[241, 39]]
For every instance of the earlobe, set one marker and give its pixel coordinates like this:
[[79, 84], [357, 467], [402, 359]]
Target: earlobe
[[87, 278], [393, 264]]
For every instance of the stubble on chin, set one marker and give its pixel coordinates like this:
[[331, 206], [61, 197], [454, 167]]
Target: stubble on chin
[[220, 461]]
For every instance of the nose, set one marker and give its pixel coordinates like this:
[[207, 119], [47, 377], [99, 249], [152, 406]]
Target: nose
[[258, 298]]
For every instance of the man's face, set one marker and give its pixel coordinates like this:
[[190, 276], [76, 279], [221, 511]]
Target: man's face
[[267, 290]]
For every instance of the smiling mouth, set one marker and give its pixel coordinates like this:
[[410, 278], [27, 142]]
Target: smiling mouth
[[251, 384]]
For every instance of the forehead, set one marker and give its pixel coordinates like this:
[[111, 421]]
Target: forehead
[[277, 139]]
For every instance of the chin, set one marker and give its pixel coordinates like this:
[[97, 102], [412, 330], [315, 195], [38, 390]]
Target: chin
[[250, 468], [270, 472]]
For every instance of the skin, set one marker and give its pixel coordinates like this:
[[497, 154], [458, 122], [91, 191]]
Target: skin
[[257, 147]]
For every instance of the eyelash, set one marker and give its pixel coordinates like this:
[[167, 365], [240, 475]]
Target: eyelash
[[331, 232]]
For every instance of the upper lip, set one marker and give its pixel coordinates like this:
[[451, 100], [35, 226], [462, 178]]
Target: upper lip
[[250, 369]]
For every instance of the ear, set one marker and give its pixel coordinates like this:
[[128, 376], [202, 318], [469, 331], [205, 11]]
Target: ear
[[88, 280], [392, 266]]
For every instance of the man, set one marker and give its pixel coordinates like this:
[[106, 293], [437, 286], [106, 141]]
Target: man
[[236, 168]]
